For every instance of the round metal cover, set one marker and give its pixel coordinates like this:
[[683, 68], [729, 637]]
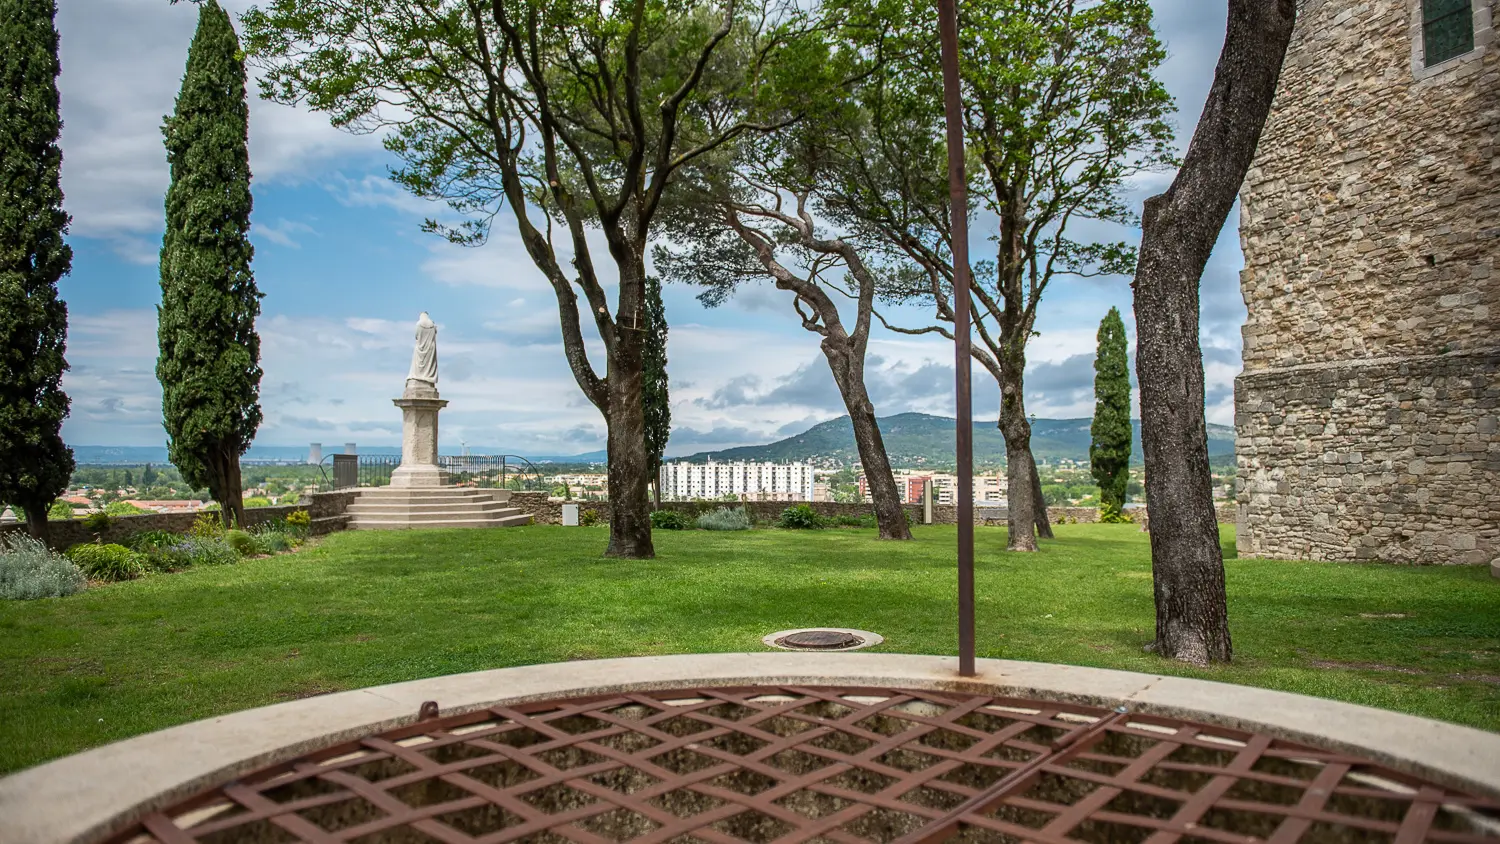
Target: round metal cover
[[820, 639], [798, 765]]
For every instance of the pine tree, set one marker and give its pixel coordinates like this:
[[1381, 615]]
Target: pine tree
[[657, 406], [34, 463], [209, 366], [1109, 453]]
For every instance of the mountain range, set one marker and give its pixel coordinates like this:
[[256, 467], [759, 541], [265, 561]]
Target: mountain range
[[915, 440]]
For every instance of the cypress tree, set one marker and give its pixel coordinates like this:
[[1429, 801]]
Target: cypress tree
[[1109, 452], [34, 463], [209, 365], [656, 403]]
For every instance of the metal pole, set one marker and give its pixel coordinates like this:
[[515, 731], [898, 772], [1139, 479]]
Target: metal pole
[[958, 198]]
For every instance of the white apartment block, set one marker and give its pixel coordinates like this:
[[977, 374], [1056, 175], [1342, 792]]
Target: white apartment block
[[750, 481]]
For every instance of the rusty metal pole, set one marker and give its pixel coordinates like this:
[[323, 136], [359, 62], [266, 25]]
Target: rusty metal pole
[[958, 198]]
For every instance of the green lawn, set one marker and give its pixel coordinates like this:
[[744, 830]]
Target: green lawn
[[364, 608]]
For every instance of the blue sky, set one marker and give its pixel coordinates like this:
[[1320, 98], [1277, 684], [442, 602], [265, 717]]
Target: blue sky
[[345, 269]]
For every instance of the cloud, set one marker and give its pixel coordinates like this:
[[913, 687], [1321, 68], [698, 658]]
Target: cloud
[[282, 232], [122, 66]]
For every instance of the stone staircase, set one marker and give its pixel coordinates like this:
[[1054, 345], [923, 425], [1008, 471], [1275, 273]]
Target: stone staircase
[[396, 508]]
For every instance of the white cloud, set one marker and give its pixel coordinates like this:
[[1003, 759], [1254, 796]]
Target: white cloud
[[122, 65]]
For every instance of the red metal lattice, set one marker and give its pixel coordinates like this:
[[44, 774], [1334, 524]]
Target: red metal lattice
[[833, 766]]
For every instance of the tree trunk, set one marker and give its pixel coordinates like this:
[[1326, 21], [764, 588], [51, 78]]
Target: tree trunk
[[36, 521], [1179, 229], [1020, 469], [629, 501], [1043, 523], [890, 516], [226, 488]]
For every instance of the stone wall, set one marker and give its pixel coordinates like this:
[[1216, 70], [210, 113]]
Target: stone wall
[[1397, 461], [1367, 410], [548, 511], [326, 510]]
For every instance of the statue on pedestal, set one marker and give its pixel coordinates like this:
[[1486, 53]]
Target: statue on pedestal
[[421, 379], [419, 405]]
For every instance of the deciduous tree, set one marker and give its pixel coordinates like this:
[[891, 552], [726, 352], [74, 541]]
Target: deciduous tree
[[1179, 229], [1061, 109], [1111, 433], [562, 113], [34, 463], [209, 360], [757, 213]]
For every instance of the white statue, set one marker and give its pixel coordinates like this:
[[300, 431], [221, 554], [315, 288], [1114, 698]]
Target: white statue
[[424, 356]]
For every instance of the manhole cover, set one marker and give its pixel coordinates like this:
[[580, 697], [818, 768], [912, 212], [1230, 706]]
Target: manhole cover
[[820, 639], [796, 765]]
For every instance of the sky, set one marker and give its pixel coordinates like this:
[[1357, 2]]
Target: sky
[[345, 270]]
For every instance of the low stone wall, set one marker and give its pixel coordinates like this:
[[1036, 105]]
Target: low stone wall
[[326, 510], [548, 510]]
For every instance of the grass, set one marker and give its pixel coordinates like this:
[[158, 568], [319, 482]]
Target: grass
[[365, 608]]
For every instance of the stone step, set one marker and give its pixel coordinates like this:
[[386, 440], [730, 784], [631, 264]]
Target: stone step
[[363, 523], [478, 505], [440, 493], [437, 515]]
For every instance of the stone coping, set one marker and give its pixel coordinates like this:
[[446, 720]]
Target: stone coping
[[90, 795]]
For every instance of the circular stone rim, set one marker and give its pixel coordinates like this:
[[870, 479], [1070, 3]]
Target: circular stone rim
[[153, 770], [867, 640]]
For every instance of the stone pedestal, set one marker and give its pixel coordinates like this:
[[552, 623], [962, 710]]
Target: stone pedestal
[[419, 437]]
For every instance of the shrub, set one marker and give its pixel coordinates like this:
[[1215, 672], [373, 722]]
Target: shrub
[[801, 517], [1112, 515], [725, 518], [274, 541], [866, 521], [166, 558], [208, 525], [588, 518], [670, 520], [158, 550], [207, 551], [60, 511], [257, 501], [29, 570], [148, 539], [243, 543], [107, 562], [297, 523], [96, 522]]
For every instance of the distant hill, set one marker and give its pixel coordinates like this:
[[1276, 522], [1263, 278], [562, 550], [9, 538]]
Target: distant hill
[[914, 440], [132, 455]]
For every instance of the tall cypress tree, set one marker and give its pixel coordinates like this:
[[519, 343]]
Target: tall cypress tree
[[656, 403], [34, 463], [209, 365], [1109, 453]]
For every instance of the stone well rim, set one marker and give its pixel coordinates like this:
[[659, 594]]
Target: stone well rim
[[130, 777]]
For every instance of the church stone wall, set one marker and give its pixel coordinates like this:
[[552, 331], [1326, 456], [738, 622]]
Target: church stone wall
[[1367, 411]]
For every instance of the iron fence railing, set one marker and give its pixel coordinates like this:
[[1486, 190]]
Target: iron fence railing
[[485, 471]]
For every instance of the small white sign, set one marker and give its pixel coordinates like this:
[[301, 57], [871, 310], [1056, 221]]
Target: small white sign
[[570, 515]]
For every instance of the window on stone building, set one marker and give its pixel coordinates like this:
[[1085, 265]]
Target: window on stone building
[[1447, 30]]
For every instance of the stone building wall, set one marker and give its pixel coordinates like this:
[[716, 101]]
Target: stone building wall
[[1367, 410]]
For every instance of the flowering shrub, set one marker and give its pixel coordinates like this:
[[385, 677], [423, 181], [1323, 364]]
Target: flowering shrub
[[30, 570]]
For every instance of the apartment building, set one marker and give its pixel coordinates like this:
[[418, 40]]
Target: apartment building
[[749, 481]]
